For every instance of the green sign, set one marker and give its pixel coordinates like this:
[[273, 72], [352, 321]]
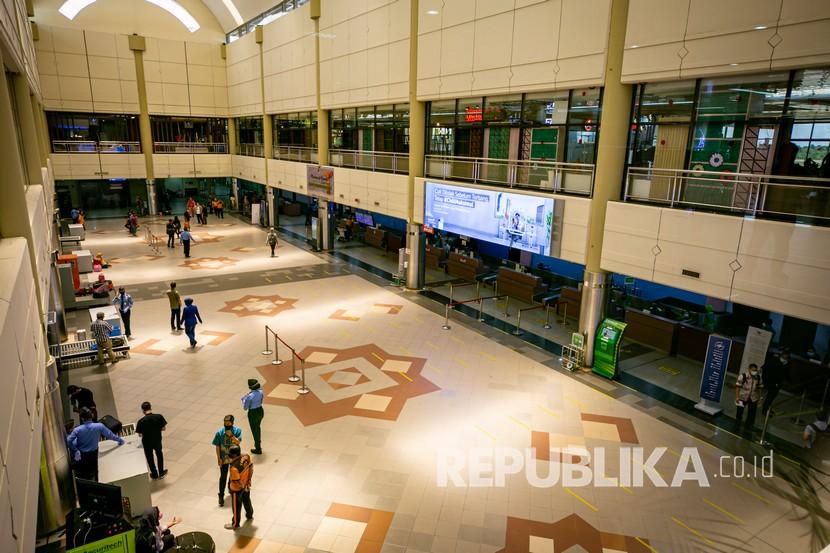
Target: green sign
[[577, 340], [628, 281], [607, 347], [120, 543]]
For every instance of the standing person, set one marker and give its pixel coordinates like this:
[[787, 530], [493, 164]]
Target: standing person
[[220, 208], [775, 374], [252, 403], [272, 240], [186, 237], [204, 214], [175, 300], [747, 394], [74, 215], [198, 209], [191, 205], [124, 301], [225, 438], [101, 330], [150, 427], [171, 234], [83, 445], [139, 205], [81, 398], [190, 315], [177, 224], [241, 474]]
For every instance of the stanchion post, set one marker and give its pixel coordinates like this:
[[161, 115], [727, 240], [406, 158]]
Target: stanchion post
[[277, 360], [446, 325], [293, 377], [764, 430], [518, 331], [824, 396], [800, 407], [303, 389], [480, 310], [506, 306], [547, 316], [266, 351]]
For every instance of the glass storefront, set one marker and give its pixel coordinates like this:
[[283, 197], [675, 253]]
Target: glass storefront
[[93, 132], [371, 128]]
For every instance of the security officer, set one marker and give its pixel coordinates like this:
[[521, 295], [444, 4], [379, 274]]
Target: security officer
[[252, 403], [83, 445]]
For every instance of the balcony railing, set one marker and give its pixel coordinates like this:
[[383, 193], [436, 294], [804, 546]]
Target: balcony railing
[[190, 147], [91, 147], [740, 193], [252, 150], [547, 176], [296, 153], [386, 162]]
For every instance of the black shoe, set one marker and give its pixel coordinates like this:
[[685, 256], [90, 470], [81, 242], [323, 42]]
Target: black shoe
[[154, 477], [163, 473], [250, 517], [256, 451], [221, 500]]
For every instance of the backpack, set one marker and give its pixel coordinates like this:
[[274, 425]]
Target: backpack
[[244, 469], [272, 239]]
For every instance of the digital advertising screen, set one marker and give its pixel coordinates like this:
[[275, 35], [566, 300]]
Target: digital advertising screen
[[514, 220]]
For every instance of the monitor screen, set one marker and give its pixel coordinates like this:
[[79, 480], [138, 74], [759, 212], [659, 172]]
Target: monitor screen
[[521, 221], [100, 498], [364, 219]]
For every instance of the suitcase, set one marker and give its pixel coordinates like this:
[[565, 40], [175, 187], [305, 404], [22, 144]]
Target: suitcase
[[112, 423]]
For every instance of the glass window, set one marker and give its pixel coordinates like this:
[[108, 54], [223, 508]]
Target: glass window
[[742, 97], [402, 113], [470, 111], [546, 108], [442, 113], [384, 115], [810, 96], [584, 108], [667, 102], [581, 145], [441, 140], [366, 117], [503, 110]]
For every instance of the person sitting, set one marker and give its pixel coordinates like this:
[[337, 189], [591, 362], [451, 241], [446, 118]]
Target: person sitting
[[812, 430], [152, 536]]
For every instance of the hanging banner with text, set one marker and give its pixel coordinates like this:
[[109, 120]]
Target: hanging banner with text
[[714, 373], [607, 347], [755, 348]]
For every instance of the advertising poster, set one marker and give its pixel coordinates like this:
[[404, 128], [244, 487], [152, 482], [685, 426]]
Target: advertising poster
[[320, 181], [120, 543], [607, 347], [514, 220], [714, 367], [255, 211], [755, 347]]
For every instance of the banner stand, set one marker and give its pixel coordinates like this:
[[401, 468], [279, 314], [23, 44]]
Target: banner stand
[[714, 374], [708, 407]]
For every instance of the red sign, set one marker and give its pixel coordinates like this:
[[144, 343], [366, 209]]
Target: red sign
[[472, 115]]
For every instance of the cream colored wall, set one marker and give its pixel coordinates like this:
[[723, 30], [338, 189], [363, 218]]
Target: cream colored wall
[[243, 69], [771, 265], [249, 168], [288, 63], [476, 47], [364, 53], [16, 41], [704, 37]]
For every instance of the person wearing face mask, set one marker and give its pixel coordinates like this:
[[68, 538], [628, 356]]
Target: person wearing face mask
[[225, 438], [776, 373], [747, 395]]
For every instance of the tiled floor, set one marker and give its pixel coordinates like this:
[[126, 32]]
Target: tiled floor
[[351, 467]]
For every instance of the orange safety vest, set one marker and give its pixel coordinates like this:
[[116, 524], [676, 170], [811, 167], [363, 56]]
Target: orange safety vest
[[242, 471]]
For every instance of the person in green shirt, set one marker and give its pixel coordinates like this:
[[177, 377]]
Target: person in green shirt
[[227, 436]]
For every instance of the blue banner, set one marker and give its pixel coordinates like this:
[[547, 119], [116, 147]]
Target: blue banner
[[714, 367]]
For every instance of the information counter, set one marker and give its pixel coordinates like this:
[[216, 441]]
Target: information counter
[[522, 286], [467, 268], [126, 466]]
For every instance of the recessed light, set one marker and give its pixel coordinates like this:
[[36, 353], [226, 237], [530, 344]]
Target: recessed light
[[759, 27], [432, 12], [635, 46], [734, 64]]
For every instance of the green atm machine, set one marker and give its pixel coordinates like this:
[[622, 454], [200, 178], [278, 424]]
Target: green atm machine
[[607, 347]]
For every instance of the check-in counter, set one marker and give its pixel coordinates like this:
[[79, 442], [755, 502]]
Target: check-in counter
[[394, 242], [375, 237], [573, 299], [434, 257], [652, 330], [522, 286], [467, 268]]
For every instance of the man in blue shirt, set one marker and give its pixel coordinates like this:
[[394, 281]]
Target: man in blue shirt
[[252, 403], [83, 445], [227, 436], [124, 302]]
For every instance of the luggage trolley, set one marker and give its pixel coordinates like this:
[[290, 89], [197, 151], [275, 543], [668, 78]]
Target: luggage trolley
[[573, 354]]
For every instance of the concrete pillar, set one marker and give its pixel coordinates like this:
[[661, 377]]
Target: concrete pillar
[[417, 112], [232, 144], [137, 45], [325, 225], [28, 129], [611, 149], [323, 132]]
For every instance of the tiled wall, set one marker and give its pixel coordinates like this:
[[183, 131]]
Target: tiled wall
[[250, 168], [288, 63], [16, 37], [771, 265], [477, 47], [709, 37], [244, 85]]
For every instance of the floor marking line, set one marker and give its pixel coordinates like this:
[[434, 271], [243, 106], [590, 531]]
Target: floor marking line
[[673, 452], [753, 494], [574, 401], [704, 442], [724, 511], [520, 423], [430, 344], [489, 435], [645, 544], [582, 499], [553, 414], [403, 374], [458, 340], [692, 530], [379, 358], [269, 280]]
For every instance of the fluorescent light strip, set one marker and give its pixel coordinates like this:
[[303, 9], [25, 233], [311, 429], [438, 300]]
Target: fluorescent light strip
[[237, 17], [70, 8]]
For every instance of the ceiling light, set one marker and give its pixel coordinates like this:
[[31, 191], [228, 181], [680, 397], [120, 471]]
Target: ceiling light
[[733, 64], [70, 8], [759, 27], [635, 46], [176, 10], [432, 12], [237, 17]]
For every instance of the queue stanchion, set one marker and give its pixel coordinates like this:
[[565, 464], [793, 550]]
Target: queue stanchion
[[277, 360], [547, 317], [303, 389], [293, 377], [446, 325], [267, 350]]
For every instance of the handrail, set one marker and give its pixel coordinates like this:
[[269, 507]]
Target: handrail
[[543, 175], [370, 160], [190, 147], [91, 147], [295, 153], [252, 150], [739, 193], [452, 305], [545, 306], [152, 240], [303, 389]]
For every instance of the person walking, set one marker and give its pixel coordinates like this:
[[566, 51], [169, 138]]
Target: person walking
[[150, 427], [83, 445], [204, 214], [747, 395], [186, 237], [272, 240], [225, 438], [124, 301], [775, 374], [175, 300], [252, 403], [82, 398], [189, 316], [171, 234], [198, 209], [220, 208], [177, 225], [241, 475], [101, 330]]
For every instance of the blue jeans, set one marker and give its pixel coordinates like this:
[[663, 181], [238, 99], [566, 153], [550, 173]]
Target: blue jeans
[[190, 330]]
